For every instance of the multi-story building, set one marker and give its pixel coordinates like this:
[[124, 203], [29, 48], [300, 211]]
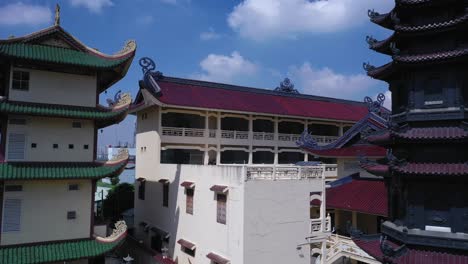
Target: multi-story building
[[216, 174], [50, 114]]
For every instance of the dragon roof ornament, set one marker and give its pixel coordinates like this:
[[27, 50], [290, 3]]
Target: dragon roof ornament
[[286, 86]]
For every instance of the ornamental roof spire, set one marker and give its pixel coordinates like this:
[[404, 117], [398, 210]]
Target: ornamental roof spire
[[57, 15]]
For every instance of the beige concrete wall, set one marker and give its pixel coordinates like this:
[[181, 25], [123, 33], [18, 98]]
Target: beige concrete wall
[[57, 88], [350, 166], [48, 131], [44, 207]]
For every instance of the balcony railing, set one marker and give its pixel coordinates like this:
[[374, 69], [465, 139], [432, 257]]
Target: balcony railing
[[183, 132], [265, 172], [263, 136], [316, 225], [232, 134]]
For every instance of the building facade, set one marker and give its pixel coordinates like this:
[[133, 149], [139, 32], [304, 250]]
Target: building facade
[[50, 114], [218, 179]]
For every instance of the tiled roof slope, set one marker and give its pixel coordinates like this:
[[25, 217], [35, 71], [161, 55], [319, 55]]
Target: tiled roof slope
[[207, 95], [57, 171], [55, 252], [412, 255], [59, 55], [367, 196], [99, 114]]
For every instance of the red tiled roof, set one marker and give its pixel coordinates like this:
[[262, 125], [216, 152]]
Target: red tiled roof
[[433, 168], [437, 56], [186, 244], [367, 196], [352, 151], [189, 93], [434, 133], [217, 258], [412, 256]]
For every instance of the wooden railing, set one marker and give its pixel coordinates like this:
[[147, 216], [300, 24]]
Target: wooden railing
[[232, 134], [183, 132], [263, 136], [316, 225]]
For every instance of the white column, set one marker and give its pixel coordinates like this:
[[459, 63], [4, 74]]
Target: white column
[[275, 161], [340, 130], [218, 125], [218, 155], [306, 157], [275, 124], [207, 131], [250, 162], [206, 156]]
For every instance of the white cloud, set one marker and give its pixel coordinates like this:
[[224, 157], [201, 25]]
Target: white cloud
[[221, 68], [326, 82], [172, 2], [94, 6], [24, 14], [261, 19], [209, 35], [145, 20]]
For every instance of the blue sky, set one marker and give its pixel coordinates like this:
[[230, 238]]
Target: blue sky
[[319, 45]]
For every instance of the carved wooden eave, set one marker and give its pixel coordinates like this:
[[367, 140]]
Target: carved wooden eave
[[121, 156], [433, 27]]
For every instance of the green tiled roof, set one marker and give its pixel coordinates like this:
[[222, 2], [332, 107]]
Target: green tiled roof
[[57, 171], [58, 55], [62, 111], [56, 252]]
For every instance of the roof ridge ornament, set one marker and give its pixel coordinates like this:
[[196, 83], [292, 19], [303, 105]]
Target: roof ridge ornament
[[372, 14], [374, 106], [368, 67], [57, 15], [150, 76], [286, 86], [371, 40]]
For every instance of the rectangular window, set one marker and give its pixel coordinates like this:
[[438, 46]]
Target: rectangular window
[[86, 146], [221, 208], [55, 146], [13, 188], [71, 215], [141, 190], [17, 121], [16, 146], [12, 216], [73, 187], [189, 201], [166, 194], [76, 124], [33, 145], [71, 146], [20, 80]]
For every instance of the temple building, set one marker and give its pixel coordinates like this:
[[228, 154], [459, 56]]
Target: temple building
[[427, 162], [50, 84], [213, 157]]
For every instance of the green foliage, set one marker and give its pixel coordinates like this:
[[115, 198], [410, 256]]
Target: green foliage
[[119, 199], [114, 180]]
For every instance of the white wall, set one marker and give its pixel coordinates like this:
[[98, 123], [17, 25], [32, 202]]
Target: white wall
[[200, 228], [277, 220], [44, 207], [57, 88], [48, 131]]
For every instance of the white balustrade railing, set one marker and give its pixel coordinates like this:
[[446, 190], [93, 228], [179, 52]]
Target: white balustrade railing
[[316, 225], [232, 134], [183, 132], [263, 136], [265, 172]]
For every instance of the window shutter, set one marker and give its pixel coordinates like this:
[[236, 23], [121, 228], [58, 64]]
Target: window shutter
[[221, 209], [16, 146], [12, 215]]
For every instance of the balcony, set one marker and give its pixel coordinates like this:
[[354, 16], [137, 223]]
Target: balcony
[[183, 132]]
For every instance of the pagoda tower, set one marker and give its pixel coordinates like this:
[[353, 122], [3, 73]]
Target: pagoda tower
[[50, 116], [426, 169]]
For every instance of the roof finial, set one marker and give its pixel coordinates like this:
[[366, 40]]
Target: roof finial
[[57, 15]]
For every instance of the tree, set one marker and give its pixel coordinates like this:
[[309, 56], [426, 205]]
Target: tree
[[114, 180], [119, 199]]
